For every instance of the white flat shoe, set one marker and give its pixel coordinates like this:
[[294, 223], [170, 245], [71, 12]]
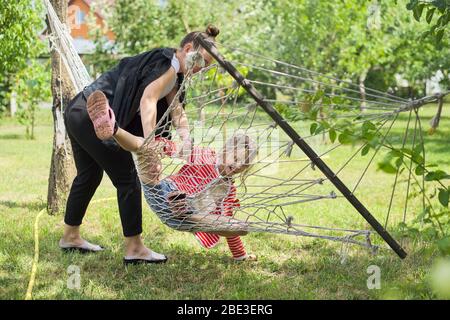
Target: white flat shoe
[[85, 247], [153, 257]]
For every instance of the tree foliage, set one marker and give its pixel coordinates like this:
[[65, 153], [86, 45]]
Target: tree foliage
[[436, 13], [32, 87], [20, 22]]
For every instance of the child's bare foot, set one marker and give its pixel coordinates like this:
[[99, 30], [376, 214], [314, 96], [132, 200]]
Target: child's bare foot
[[247, 257], [101, 114]]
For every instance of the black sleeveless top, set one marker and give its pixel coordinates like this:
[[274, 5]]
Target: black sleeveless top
[[124, 86]]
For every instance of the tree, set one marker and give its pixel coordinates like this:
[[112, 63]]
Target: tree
[[62, 167], [32, 86], [19, 25]]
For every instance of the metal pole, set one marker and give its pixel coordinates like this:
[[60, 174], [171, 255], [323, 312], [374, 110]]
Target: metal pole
[[318, 162]]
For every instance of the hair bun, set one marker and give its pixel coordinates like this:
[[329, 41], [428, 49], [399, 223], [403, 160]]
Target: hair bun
[[212, 31]]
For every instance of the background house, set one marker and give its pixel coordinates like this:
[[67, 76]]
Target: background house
[[80, 27]]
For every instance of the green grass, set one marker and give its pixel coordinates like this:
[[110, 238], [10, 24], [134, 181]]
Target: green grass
[[288, 267]]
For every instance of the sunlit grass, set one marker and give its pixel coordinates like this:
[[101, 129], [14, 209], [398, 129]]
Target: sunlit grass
[[288, 267]]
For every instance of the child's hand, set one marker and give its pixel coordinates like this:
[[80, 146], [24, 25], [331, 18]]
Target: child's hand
[[177, 203], [185, 149]]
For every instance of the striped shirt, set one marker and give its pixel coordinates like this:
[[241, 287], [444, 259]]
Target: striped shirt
[[193, 178]]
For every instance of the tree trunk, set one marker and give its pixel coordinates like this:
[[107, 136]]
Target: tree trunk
[[13, 104], [362, 89], [62, 167]]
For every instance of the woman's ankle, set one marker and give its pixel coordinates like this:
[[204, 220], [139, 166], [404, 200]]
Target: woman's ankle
[[71, 233], [134, 246]]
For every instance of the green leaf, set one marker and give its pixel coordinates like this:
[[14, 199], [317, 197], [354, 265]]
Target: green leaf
[[394, 154], [417, 158], [430, 13], [418, 10], [399, 162], [365, 150], [425, 34], [419, 170], [387, 167], [412, 4], [440, 4], [407, 151], [444, 245], [313, 128], [444, 196], [436, 175], [418, 149], [439, 35], [344, 138], [367, 125], [333, 135]]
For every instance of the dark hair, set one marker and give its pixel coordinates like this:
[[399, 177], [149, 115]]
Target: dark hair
[[211, 32]]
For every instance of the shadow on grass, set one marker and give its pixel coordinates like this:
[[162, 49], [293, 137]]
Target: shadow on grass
[[12, 137], [285, 270], [30, 205], [315, 274]]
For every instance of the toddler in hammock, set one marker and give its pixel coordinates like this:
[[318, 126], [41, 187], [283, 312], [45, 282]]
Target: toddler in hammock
[[201, 194]]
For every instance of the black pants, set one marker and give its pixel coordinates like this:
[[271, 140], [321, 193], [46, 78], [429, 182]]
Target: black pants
[[93, 156]]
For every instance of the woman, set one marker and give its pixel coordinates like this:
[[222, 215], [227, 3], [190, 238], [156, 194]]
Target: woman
[[139, 90], [201, 194]]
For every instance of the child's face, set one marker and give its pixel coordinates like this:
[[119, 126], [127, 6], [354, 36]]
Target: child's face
[[231, 162], [236, 155]]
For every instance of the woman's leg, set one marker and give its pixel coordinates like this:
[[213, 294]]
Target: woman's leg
[[119, 166], [89, 176]]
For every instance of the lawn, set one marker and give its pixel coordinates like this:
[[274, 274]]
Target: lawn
[[288, 267]]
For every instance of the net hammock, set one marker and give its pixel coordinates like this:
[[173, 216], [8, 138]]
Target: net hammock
[[276, 193]]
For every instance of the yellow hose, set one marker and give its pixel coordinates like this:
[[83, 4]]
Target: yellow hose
[[29, 293], [36, 256]]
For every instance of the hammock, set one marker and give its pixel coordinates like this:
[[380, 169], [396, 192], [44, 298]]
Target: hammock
[[283, 179], [61, 41]]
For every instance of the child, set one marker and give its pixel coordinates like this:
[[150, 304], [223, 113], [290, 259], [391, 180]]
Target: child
[[201, 193]]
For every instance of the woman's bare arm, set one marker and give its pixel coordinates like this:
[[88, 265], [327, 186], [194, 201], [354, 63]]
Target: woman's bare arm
[[156, 90], [178, 115]]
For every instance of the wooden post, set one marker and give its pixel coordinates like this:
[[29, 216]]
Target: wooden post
[[62, 167]]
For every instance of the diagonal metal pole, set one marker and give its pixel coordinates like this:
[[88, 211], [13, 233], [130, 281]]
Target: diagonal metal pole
[[318, 162]]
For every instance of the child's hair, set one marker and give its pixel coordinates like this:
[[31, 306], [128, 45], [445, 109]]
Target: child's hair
[[243, 151]]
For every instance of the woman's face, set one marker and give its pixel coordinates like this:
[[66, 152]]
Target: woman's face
[[195, 59], [206, 58]]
